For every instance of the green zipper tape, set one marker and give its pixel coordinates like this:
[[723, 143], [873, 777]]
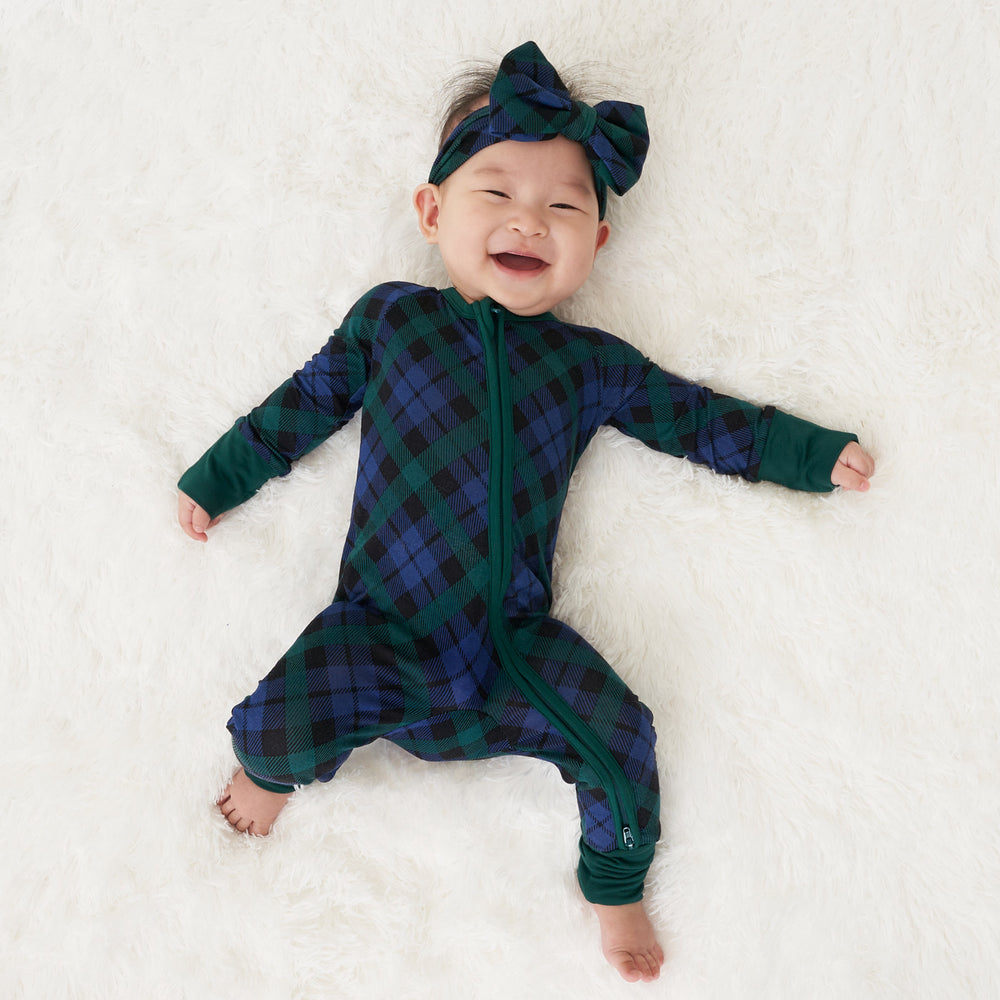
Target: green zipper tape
[[501, 500]]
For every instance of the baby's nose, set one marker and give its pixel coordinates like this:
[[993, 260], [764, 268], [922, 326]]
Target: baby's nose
[[527, 222]]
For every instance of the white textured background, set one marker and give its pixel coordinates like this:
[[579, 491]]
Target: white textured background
[[192, 194]]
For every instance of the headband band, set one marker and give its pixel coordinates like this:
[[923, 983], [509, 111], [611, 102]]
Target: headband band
[[528, 103]]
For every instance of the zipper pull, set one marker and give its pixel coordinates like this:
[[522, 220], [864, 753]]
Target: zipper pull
[[628, 838]]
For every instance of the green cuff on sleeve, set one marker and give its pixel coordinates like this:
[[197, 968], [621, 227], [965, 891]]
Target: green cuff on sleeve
[[801, 455], [226, 475]]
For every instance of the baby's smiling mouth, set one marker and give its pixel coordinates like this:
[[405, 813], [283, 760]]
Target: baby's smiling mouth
[[519, 262]]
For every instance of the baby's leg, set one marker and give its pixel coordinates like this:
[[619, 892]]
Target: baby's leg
[[509, 725], [612, 883], [338, 687], [611, 874], [250, 808]]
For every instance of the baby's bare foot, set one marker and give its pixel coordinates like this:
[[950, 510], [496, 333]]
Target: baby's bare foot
[[629, 942], [250, 808]]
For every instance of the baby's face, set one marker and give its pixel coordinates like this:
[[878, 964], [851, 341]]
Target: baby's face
[[518, 222]]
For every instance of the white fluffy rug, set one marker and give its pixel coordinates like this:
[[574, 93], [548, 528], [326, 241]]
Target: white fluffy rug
[[192, 193]]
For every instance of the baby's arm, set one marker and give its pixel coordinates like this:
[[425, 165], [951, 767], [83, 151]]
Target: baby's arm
[[853, 469], [301, 413], [731, 436], [195, 520]]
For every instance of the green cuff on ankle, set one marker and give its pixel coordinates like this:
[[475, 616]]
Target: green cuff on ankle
[[269, 786], [613, 878]]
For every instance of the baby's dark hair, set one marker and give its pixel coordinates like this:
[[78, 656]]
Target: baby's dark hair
[[464, 92], [469, 89]]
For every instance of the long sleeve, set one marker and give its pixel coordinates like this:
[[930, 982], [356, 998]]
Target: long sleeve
[[294, 419], [730, 436]]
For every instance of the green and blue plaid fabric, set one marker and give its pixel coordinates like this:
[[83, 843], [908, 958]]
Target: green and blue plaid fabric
[[405, 652]]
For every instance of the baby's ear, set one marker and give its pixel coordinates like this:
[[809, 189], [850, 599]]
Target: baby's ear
[[603, 235], [427, 202]]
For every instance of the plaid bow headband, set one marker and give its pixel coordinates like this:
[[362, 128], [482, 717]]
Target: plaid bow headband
[[528, 102]]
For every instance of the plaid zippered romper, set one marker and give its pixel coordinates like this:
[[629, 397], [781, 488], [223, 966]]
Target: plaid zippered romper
[[439, 637]]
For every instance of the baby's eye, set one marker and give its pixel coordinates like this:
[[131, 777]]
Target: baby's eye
[[571, 208], [497, 194]]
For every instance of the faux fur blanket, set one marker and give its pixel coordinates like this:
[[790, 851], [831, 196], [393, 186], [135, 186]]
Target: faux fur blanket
[[192, 194]]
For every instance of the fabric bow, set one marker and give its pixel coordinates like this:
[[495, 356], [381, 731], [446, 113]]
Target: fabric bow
[[529, 102]]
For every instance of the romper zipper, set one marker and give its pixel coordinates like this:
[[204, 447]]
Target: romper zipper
[[501, 498]]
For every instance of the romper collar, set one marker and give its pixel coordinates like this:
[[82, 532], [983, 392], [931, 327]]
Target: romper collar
[[467, 309]]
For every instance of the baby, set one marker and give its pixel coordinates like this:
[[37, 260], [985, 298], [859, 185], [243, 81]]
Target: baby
[[476, 404]]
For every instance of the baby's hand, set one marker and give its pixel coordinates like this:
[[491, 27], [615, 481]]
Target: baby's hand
[[853, 469], [194, 519]]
